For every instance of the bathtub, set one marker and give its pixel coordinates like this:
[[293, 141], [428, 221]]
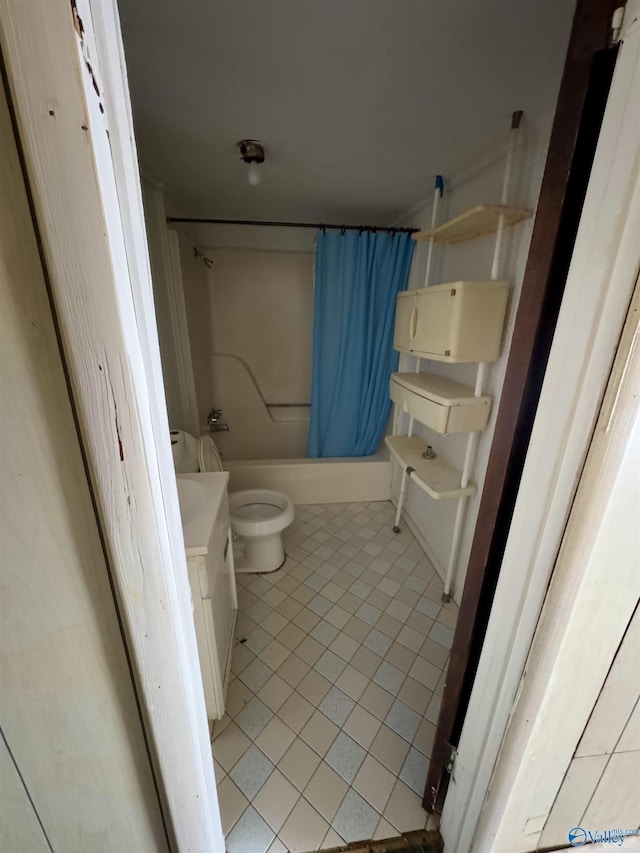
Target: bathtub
[[316, 481]]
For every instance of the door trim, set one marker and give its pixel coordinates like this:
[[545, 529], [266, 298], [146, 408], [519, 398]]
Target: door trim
[[66, 71]]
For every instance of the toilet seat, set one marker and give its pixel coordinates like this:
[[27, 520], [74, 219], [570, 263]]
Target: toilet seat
[[260, 512]]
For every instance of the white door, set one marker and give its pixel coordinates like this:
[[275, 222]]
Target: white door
[[75, 774]]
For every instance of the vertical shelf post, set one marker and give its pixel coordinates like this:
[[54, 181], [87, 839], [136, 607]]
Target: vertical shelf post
[[472, 439]]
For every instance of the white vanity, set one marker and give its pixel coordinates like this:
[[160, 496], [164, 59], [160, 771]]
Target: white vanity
[[204, 507]]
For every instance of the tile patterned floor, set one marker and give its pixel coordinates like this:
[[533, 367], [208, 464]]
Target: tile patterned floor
[[336, 682]]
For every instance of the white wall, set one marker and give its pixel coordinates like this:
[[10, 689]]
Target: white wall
[[250, 323], [434, 520]]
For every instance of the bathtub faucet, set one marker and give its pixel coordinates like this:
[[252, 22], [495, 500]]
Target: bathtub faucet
[[213, 419]]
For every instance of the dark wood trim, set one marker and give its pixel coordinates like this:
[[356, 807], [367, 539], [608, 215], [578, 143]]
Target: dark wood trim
[[561, 197]]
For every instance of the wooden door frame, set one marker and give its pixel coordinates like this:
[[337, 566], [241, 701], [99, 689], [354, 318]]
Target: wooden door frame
[[537, 312], [66, 74]]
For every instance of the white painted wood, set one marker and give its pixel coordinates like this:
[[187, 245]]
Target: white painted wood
[[460, 321], [630, 739], [597, 295], [68, 707], [618, 698], [615, 801], [571, 802], [114, 368], [19, 827]]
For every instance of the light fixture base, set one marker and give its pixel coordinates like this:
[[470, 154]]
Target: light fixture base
[[251, 150]]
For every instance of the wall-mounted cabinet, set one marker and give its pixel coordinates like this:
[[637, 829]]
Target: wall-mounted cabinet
[[457, 322], [440, 403]]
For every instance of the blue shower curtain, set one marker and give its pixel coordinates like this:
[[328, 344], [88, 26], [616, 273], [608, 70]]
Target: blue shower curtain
[[357, 278]]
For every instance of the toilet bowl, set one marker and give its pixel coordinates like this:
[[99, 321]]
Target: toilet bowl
[[258, 516]]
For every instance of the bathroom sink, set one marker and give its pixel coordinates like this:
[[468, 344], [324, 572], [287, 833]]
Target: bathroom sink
[[200, 497], [191, 495]]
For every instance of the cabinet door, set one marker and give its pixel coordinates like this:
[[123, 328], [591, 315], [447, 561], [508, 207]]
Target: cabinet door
[[405, 321], [433, 325]]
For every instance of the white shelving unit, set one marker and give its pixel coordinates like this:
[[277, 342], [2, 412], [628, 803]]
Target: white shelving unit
[[456, 322]]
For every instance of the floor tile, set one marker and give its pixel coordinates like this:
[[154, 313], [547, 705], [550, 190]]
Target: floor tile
[[415, 695], [251, 771], [366, 661], [425, 737], [305, 620], [229, 746], [344, 646], [403, 720], [401, 657], [253, 717], [291, 636], [314, 687], [420, 623], [389, 677], [238, 694], [410, 638], [303, 594], [389, 625], [329, 665], [251, 834], [257, 639], [331, 840], [398, 610], [442, 634], [275, 654], [309, 650], [232, 803], [345, 757], [293, 670], [376, 700], [390, 749], [296, 711], [428, 607], [434, 652], [414, 770], [325, 791], [319, 732], [355, 820], [274, 692], [337, 616], [377, 642], [362, 726], [256, 674], [276, 799], [383, 831], [337, 705], [375, 782], [368, 614], [319, 605], [404, 809], [275, 739], [241, 657], [324, 632], [352, 682], [277, 847], [425, 672], [304, 829], [299, 763], [357, 629]]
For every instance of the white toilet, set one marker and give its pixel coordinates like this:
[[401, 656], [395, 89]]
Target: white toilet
[[258, 516]]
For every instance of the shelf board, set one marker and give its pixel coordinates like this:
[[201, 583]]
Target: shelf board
[[438, 479], [475, 222], [440, 389]]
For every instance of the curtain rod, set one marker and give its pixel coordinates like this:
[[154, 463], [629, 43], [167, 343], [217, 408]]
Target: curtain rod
[[317, 225]]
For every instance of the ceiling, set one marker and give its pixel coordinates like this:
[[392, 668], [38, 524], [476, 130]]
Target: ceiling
[[359, 103]]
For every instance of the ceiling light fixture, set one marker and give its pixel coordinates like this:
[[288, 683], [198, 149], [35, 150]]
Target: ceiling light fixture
[[252, 152]]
